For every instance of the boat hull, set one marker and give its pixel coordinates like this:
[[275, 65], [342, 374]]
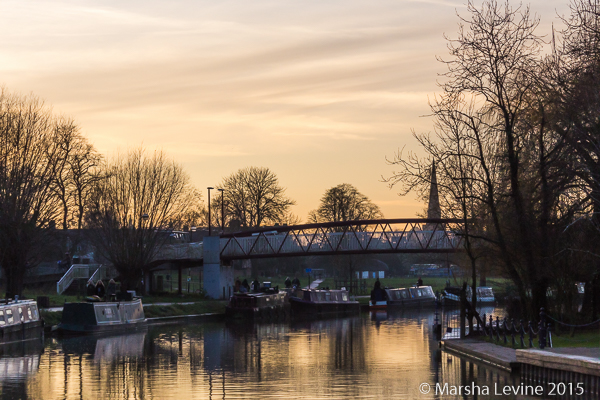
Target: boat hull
[[318, 303], [402, 298], [258, 306], [101, 317]]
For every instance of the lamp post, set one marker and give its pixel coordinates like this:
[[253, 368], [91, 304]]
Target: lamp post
[[209, 189], [143, 217], [222, 210]]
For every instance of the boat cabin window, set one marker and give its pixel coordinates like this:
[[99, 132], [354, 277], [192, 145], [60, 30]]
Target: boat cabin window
[[21, 314], [344, 296], [29, 313], [328, 296], [2, 321], [9, 314]]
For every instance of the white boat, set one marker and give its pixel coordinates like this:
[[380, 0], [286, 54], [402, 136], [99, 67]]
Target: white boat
[[19, 321], [102, 316], [485, 294]]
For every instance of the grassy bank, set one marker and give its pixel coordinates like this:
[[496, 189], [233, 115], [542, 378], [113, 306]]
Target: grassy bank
[[500, 285], [201, 307], [153, 311], [580, 339]]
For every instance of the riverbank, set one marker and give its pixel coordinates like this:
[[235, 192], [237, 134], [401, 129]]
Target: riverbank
[[155, 311]]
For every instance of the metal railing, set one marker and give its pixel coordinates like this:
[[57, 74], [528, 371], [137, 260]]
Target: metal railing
[[188, 251], [77, 271], [103, 272]]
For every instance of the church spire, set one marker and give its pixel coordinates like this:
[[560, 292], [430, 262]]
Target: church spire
[[433, 208]]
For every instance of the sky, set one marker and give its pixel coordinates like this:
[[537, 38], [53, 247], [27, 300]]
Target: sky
[[320, 92]]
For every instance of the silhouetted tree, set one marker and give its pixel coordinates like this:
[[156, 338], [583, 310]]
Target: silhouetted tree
[[31, 156], [253, 197], [344, 203], [139, 198]]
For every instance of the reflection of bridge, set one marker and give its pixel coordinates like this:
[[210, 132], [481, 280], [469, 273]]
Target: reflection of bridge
[[351, 237]]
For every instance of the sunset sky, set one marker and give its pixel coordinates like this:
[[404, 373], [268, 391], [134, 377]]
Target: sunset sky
[[320, 92]]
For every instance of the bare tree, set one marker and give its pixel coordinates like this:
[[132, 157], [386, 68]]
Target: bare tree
[[139, 198], [253, 197], [501, 168], [30, 158], [76, 173], [344, 203]]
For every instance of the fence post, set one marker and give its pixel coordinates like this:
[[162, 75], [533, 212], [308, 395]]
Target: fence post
[[522, 333], [530, 329], [463, 316], [512, 331], [542, 329]]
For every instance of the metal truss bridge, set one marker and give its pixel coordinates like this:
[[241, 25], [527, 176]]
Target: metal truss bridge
[[415, 235]]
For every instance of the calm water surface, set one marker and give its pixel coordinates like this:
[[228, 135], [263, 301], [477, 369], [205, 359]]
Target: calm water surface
[[374, 356]]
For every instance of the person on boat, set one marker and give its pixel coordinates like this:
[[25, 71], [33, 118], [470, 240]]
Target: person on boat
[[288, 282], [378, 294], [100, 289], [420, 282], [255, 285], [238, 286], [91, 289], [112, 290], [246, 286], [296, 282]]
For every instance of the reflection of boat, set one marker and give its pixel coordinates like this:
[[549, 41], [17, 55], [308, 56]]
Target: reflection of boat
[[19, 320], [315, 303], [97, 317], [20, 360], [106, 348], [485, 294], [422, 296], [271, 304], [18, 368]]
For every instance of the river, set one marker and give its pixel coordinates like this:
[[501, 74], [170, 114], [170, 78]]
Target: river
[[373, 356]]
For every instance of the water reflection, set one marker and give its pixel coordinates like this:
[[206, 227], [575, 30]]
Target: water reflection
[[106, 349], [378, 355], [18, 363]]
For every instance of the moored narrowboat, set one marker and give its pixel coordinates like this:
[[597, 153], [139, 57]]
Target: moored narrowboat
[[268, 305], [485, 294], [20, 320], [422, 296], [102, 316], [316, 303]]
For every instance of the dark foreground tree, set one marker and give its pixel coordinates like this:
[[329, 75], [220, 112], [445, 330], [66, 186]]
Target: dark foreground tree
[[139, 197], [344, 203], [253, 197], [501, 166], [30, 158]]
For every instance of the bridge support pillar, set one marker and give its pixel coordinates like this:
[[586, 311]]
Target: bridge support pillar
[[218, 278]]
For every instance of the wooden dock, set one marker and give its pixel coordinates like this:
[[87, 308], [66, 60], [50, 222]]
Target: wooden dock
[[487, 353], [575, 367]]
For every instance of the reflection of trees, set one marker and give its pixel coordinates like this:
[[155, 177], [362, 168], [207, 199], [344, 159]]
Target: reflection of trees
[[348, 346]]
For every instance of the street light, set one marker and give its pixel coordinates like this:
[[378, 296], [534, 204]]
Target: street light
[[222, 210], [209, 189]]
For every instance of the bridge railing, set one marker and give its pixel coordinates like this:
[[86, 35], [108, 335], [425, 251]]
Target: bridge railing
[[189, 251], [339, 242], [77, 271]]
